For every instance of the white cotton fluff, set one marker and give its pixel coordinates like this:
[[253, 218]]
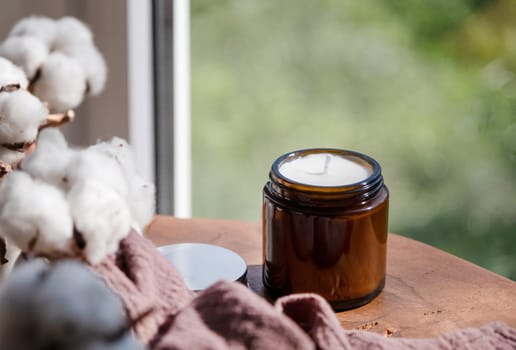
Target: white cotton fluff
[[35, 216], [101, 215], [62, 83], [41, 27], [21, 113], [52, 137], [104, 195], [93, 64], [28, 52], [141, 194], [10, 157], [71, 31], [120, 150], [51, 158], [95, 165], [65, 303], [142, 202], [11, 74]]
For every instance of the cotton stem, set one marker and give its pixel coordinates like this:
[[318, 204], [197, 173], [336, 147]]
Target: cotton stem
[[54, 120]]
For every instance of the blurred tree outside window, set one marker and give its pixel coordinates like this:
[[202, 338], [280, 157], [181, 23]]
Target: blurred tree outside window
[[428, 88]]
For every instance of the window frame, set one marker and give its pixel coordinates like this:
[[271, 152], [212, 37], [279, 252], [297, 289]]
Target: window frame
[[159, 86]]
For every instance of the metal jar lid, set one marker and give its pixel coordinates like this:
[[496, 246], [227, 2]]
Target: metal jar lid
[[201, 265]]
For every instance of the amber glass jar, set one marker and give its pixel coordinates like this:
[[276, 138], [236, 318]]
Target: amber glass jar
[[325, 236]]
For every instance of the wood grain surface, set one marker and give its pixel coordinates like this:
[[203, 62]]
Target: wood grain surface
[[428, 292]]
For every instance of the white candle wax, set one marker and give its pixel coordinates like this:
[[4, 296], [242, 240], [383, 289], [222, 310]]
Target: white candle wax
[[324, 169]]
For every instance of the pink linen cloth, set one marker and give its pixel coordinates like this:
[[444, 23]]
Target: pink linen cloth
[[229, 316]]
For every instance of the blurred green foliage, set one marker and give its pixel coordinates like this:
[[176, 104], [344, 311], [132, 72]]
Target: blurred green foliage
[[427, 87]]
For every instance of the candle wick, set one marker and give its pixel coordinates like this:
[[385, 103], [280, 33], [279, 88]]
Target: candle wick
[[327, 161], [317, 169]]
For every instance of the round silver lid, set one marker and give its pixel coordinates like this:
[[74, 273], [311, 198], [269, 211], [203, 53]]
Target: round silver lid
[[201, 265]]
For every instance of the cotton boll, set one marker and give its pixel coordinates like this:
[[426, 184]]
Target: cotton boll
[[18, 327], [96, 165], [93, 64], [62, 83], [11, 75], [35, 216], [10, 157], [120, 150], [71, 31], [101, 216], [28, 52], [141, 194], [50, 166], [21, 113], [51, 159], [20, 286], [61, 306], [75, 304], [142, 201], [41, 27], [52, 138]]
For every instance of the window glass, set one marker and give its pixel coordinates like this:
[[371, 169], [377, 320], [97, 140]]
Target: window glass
[[427, 88]]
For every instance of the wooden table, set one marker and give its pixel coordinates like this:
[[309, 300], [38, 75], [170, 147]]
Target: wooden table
[[427, 292]]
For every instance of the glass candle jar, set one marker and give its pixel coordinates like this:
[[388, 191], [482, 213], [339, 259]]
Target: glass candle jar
[[324, 223]]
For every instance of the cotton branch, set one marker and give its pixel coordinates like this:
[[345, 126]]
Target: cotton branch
[[58, 119]]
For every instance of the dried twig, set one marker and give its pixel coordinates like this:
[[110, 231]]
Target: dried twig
[[10, 88], [54, 120], [5, 169], [79, 239], [17, 146], [3, 252]]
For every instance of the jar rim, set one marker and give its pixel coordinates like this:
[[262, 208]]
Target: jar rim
[[284, 181]]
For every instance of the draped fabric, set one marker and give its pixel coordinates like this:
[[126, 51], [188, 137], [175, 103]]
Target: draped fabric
[[227, 315]]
